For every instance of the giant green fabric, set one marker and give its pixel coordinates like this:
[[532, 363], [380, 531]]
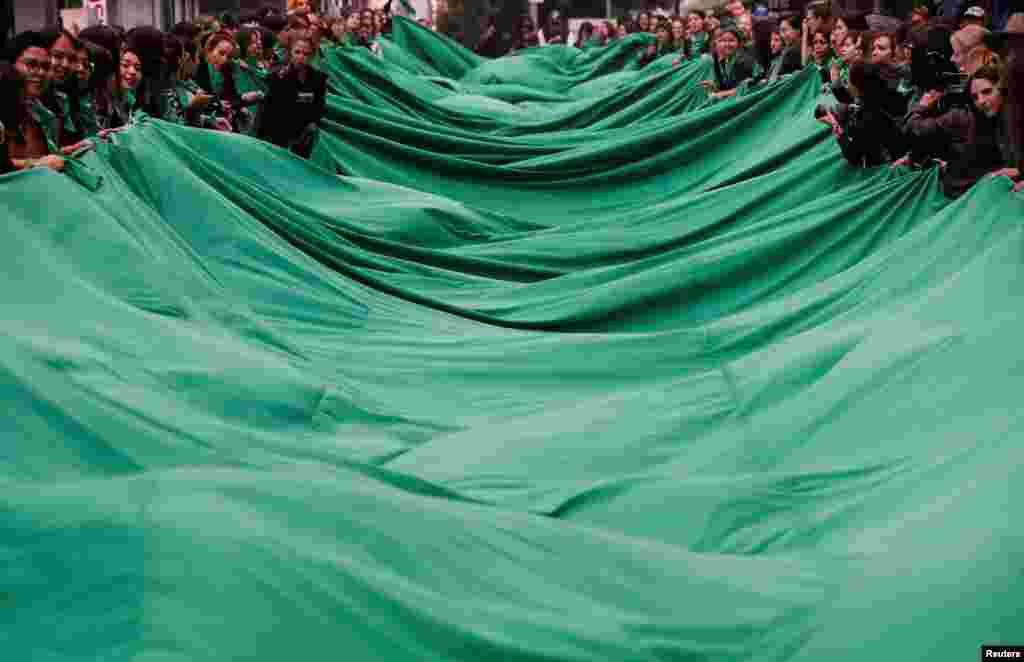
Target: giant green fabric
[[638, 380]]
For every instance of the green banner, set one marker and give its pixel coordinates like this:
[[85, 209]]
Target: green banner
[[568, 364]]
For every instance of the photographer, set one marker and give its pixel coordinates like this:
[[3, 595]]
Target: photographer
[[295, 103], [976, 135], [990, 150], [868, 127], [939, 119]]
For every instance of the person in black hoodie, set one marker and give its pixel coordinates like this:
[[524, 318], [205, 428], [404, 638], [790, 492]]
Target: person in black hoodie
[[869, 127], [295, 103]]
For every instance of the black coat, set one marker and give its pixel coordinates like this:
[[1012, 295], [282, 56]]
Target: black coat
[[5, 157], [791, 61], [292, 105], [742, 70]]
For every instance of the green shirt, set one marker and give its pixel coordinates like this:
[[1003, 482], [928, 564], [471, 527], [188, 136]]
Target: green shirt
[[47, 122], [216, 80], [727, 67], [698, 42]]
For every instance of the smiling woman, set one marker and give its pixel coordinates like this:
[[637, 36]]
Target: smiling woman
[[30, 129]]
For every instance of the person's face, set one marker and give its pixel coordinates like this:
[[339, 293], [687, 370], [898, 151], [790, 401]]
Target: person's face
[[735, 9], [711, 23], [819, 46], [219, 54], [813, 22], [987, 97], [727, 45], [776, 43], [623, 31], [662, 34], [130, 70], [790, 35], [881, 50], [643, 21], [352, 23], [83, 66], [300, 53], [839, 33], [745, 23], [33, 66], [695, 23], [255, 46], [917, 19], [678, 30], [338, 29], [851, 50], [62, 59]]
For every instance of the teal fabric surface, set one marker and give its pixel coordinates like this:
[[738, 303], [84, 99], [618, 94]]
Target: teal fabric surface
[[604, 373]]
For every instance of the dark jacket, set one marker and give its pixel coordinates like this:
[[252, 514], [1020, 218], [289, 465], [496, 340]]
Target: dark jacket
[[873, 124], [5, 156], [791, 61], [742, 70], [292, 105], [942, 136], [988, 150], [488, 47]]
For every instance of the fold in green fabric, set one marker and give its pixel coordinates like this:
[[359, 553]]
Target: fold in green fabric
[[624, 376]]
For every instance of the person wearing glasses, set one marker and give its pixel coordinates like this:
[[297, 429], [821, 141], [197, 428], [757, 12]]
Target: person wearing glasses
[[67, 98], [29, 127]]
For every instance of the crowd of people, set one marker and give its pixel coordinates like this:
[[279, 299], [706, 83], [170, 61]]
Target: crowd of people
[[256, 74], [927, 91]]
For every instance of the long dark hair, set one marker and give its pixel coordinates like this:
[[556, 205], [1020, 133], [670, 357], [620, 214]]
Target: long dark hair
[[202, 76], [586, 32], [157, 73], [12, 114], [10, 89], [518, 42], [104, 45], [763, 30], [245, 37]]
